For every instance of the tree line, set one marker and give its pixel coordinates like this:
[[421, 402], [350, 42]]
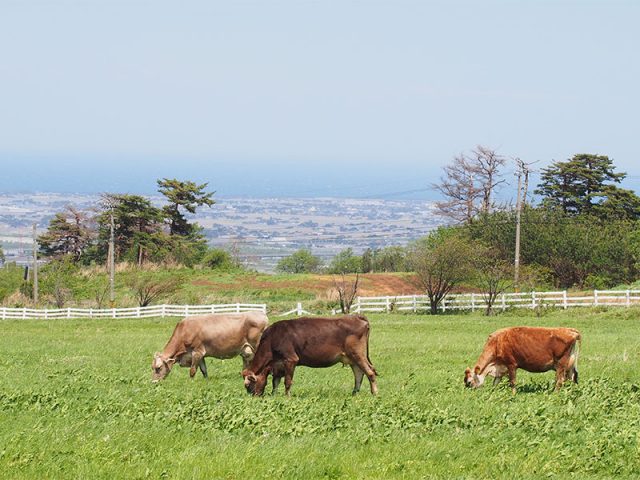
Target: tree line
[[584, 231], [143, 232]]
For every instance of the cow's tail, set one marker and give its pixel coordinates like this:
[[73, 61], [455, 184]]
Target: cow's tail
[[369, 359], [575, 353]]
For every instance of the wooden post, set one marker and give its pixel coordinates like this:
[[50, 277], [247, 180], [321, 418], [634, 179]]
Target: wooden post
[[415, 304], [299, 309], [237, 308], [628, 298], [35, 266], [504, 302], [595, 297], [387, 305], [68, 312], [533, 300], [565, 303], [473, 302]]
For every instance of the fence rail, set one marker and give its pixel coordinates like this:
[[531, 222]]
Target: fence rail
[[133, 312], [475, 301]]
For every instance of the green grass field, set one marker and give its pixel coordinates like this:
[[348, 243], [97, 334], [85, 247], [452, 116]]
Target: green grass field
[[76, 401]]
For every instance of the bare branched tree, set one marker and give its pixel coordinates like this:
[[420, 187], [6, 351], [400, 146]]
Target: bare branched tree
[[148, 289], [469, 183], [347, 290]]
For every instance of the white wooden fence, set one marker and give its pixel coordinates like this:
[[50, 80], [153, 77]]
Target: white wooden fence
[[474, 301], [134, 312]]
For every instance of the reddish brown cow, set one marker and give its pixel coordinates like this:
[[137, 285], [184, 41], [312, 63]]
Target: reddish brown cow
[[312, 342], [534, 349]]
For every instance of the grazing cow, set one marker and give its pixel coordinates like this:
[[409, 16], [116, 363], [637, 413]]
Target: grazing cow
[[311, 342], [534, 349], [216, 335]]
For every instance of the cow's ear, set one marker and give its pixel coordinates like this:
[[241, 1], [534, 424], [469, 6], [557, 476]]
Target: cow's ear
[[476, 370], [467, 372], [170, 362], [252, 377]]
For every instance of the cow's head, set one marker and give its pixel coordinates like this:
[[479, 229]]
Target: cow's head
[[161, 367], [254, 383], [473, 379]]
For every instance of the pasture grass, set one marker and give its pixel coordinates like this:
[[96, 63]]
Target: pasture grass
[[76, 401]]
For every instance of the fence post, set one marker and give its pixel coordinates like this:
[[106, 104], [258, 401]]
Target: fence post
[[4, 313], [138, 311], [565, 303], [444, 304], [473, 302], [504, 302], [24, 312], [113, 313], [90, 312], [46, 314], [164, 310], [387, 304], [415, 304], [237, 308], [186, 310], [299, 309], [628, 297], [68, 312], [533, 300], [595, 297]]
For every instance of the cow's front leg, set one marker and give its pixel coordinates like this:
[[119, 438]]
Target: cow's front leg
[[512, 378], [196, 358], [247, 353], [497, 380]]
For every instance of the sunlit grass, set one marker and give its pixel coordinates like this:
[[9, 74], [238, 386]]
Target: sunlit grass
[[76, 401]]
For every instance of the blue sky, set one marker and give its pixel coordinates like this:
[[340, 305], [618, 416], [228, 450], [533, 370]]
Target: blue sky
[[351, 98]]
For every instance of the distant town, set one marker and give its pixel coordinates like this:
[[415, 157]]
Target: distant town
[[260, 231]]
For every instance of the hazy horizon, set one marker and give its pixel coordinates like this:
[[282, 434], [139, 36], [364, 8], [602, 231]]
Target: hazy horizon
[[288, 98]]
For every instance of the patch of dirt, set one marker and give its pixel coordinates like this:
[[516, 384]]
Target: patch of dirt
[[371, 284]]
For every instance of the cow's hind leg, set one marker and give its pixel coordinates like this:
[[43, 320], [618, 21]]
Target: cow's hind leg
[[357, 352], [560, 377], [574, 377], [358, 374], [289, 368], [203, 368], [275, 382]]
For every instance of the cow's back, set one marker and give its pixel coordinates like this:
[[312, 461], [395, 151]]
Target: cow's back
[[535, 349], [316, 341], [223, 335]]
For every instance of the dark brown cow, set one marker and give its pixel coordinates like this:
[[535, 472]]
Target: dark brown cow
[[311, 342], [217, 335], [534, 349]]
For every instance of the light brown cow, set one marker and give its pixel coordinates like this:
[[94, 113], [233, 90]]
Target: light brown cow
[[534, 349], [217, 335]]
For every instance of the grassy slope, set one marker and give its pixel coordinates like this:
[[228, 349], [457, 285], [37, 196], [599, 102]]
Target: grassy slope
[[76, 401]]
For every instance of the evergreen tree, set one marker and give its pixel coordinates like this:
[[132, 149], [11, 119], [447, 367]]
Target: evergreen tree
[[68, 233], [582, 185], [186, 196]]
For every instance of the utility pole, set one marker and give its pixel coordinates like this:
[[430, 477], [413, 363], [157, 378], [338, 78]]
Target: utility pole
[[518, 215], [35, 265], [112, 298]]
